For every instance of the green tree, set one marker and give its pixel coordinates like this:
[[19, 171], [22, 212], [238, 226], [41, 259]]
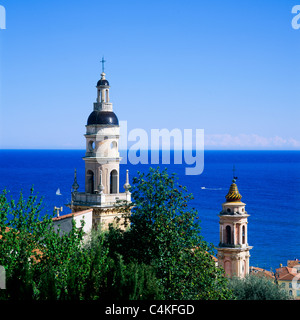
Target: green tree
[[46, 264], [132, 281], [165, 233], [42, 263], [162, 254], [254, 287], [63, 263], [21, 233]]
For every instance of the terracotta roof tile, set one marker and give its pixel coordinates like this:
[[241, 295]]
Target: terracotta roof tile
[[286, 273], [293, 263], [262, 272], [72, 214]]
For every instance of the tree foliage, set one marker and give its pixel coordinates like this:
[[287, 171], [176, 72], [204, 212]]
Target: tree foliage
[[159, 255], [254, 287], [131, 281], [165, 234], [39, 263], [44, 264]]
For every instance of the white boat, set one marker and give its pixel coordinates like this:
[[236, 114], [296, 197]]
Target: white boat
[[58, 192]]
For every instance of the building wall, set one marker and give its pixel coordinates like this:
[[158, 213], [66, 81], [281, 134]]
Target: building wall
[[63, 224], [288, 287], [103, 216], [235, 263], [102, 153], [88, 219], [106, 169], [236, 225]]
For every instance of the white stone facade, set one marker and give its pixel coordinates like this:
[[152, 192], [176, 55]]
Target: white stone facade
[[102, 162]]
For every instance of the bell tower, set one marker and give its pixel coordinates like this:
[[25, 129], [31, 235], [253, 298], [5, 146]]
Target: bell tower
[[102, 157], [102, 161], [233, 250]]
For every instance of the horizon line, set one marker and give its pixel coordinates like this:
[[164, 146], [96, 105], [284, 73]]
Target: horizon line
[[82, 149]]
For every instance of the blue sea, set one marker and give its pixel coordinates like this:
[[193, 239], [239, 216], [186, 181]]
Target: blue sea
[[269, 182]]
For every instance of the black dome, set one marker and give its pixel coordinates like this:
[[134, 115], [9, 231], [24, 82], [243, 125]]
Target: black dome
[[103, 117], [102, 82]]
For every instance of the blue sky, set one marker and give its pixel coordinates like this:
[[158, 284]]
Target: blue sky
[[228, 67]]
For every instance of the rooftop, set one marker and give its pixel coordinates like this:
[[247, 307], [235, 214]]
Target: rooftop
[[286, 273], [262, 272], [72, 214], [233, 194]]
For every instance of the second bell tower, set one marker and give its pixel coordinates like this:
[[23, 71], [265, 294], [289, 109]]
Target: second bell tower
[[233, 250]]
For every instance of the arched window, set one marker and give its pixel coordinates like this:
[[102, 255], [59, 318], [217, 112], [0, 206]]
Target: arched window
[[114, 181], [99, 96], [228, 234], [91, 145], [90, 181], [113, 145], [243, 235]]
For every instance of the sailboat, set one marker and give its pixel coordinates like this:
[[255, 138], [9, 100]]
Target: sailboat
[[58, 192]]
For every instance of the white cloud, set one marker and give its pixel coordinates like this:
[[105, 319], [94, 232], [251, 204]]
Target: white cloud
[[249, 141]]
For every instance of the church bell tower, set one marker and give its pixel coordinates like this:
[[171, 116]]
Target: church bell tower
[[102, 157], [102, 161], [233, 250]]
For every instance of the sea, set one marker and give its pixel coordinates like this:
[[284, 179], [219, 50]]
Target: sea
[[269, 182]]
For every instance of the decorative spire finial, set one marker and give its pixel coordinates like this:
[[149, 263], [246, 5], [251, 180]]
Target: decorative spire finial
[[234, 177], [127, 185], [75, 185], [100, 187], [103, 61]]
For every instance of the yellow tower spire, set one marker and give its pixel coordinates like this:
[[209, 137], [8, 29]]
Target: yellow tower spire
[[233, 194]]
